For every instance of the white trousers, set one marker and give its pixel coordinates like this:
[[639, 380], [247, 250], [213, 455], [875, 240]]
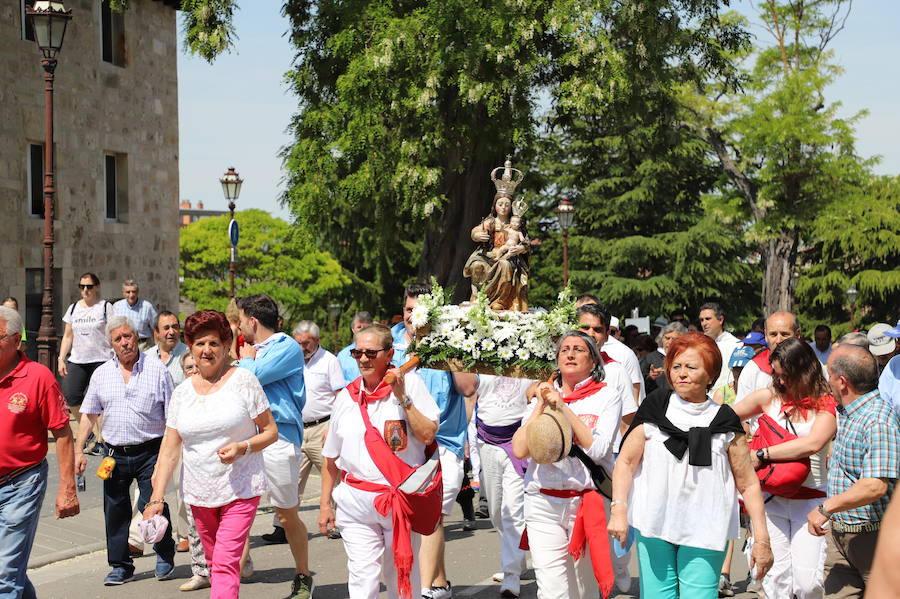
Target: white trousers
[[550, 521], [368, 541], [798, 571], [505, 494], [452, 475]]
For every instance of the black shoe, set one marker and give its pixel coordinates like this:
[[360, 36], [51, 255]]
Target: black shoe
[[276, 537]]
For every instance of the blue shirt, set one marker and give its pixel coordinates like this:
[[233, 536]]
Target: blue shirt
[[348, 364], [889, 383], [867, 445], [279, 367], [453, 424], [142, 314]]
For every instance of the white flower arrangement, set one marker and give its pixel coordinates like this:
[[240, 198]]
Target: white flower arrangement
[[475, 338]]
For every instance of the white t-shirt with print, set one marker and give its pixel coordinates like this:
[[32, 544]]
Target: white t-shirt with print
[[207, 423], [346, 430], [89, 341]]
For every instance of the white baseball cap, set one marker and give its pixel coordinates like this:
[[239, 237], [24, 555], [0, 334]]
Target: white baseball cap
[[880, 344], [614, 322]]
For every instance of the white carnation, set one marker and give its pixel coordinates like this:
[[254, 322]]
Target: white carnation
[[457, 337], [523, 354], [505, 353], [488, 344], [419, 316]]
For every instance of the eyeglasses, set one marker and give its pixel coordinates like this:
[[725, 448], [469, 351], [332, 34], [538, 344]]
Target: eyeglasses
[[600, 329], [370, 353], [80, 286]]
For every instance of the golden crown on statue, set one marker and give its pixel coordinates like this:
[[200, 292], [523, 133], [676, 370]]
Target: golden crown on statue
[[509, 180]]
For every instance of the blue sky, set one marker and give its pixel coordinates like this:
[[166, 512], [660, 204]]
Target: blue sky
[[235, 111]]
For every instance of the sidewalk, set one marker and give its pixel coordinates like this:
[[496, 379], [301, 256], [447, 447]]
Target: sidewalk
[[58, 540]]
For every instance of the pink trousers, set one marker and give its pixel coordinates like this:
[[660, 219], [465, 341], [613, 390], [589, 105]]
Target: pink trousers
[[223, 531]]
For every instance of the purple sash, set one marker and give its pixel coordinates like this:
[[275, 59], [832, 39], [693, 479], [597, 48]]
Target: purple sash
[[501, 436]]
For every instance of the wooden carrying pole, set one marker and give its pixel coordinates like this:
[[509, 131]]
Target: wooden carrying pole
[[389, 378]]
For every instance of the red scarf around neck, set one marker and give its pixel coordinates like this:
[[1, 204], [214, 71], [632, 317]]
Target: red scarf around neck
[[583, 391], [358, 391]]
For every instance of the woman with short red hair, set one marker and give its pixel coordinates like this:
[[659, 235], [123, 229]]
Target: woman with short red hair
[[676, 480], [218, 423]]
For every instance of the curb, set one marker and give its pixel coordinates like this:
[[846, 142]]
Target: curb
[[58, 556]]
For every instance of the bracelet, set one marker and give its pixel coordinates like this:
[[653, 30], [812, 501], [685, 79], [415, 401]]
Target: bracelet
[[616, 502], [761, 542], [247, 449], [154, 502]]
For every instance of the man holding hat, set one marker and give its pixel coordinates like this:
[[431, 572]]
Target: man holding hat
[[881, 345], [889, 382]]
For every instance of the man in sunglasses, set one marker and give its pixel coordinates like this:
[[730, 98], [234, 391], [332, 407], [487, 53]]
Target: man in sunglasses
[[451, 392]]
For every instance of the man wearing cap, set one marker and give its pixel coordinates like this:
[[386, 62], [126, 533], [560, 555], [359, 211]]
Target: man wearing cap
[[821, 343], [756, 341], [882, 346], [712, 320], [757, 374], [889, 382]]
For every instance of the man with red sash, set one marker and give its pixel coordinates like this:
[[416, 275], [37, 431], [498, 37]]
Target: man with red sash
[[379, 435], [757, 374]]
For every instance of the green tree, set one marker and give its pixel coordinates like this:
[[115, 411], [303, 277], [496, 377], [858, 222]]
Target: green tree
[[272, 259], [781, 145], [857, 243]]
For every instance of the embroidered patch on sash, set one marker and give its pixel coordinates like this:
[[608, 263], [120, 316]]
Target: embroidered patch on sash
[[395, 435], [589, 420], [17, 403]]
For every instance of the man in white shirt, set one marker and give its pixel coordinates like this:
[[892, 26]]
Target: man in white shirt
[[169, 347], [323, 378], [779, 326], [139, 311], [613, 347], [712, 320], [821, 343]]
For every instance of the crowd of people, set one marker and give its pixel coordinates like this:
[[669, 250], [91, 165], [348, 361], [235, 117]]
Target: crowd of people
[[682, 436]]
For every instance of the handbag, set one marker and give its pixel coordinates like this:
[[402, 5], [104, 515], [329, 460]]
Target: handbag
[[784, 479]]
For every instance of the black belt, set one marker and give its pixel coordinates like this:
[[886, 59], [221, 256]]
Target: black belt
[[14, 473], [135, 449], [315, 422]]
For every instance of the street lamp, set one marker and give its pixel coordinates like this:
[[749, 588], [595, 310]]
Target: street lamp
[[334, 311], [852, 294], [231, 187], [565, 212], [49, 21]]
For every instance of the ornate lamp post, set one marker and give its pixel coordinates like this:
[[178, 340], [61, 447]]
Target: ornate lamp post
[[852, 294], [231, 186], [565, 212], [334, 311], [49, 20]]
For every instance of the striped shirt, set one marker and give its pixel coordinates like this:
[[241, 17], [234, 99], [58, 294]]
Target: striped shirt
[[135, 412], [142, 314], [867, 445]]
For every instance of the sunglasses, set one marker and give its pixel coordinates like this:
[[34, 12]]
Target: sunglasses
[[80, 286], [585, 327], [370, 353]]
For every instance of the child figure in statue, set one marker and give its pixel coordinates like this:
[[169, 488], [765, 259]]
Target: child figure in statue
[[515, 238]]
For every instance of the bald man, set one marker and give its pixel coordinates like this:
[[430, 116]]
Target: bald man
[[757, 374]]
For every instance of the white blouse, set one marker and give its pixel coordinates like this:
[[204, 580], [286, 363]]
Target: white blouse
[[206, 424], [818, 472], [687, 505], [346, 430], [601, 412], [501, 399]]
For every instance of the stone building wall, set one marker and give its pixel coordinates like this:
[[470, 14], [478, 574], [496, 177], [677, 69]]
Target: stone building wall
[[100, 108]]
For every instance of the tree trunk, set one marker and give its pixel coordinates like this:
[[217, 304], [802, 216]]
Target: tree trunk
[[447, 242], [779, 259]]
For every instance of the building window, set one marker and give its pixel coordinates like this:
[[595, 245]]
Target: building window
[[112, 28], [36, 179], [116, 175], [27, 29]]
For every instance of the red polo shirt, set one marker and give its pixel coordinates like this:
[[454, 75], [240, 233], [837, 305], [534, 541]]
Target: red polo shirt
[[31, 402]]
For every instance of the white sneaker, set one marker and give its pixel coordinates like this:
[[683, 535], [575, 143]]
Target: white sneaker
[[441, 592], [497, 577]]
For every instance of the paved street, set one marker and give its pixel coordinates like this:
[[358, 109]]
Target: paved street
[[472, 557]]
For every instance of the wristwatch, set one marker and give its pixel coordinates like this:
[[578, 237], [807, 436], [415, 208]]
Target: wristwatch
[[761, 455], [405, 403], [824, 512]]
